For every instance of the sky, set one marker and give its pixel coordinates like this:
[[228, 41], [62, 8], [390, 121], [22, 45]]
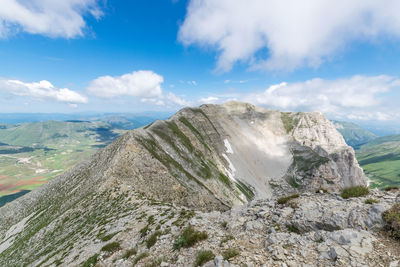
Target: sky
[[338, 57]]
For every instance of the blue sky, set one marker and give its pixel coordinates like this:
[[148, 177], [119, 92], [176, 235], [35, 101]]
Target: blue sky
[[131, 56]]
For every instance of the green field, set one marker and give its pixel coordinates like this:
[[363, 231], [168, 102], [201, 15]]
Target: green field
[[380, 159], [33, 153]]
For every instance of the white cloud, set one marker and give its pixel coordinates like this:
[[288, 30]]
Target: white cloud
[[143, 83], [295, 33], [208, 100], [42, 90], [176, 100], [46, 17], [358, 97]]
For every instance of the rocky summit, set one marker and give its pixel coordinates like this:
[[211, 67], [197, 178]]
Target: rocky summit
[[218, 185]]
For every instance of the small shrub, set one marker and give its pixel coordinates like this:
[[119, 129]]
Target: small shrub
[[140, 257], [390, 188], [292, 228], [153, 239], [371, 201], [150, 220], [203, 256], [355, 191], [108, 237], [224, 224], [129, 253], [91, 261], [392, 220], [144, 231], [111, 247], [189, 237], [284, 200], [230, 253]]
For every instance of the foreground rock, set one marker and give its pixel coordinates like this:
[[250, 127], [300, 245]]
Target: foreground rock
[[312, 230]]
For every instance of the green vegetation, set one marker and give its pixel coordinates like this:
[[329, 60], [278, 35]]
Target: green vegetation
[[224, 224], [33, 153], [392, 220], [144, 231], [129, 253], [224, 179], [195, 131], [177, 132], [153, 239], [293, 228], [355, 191], [108, 237], [289, 121], [371, 201], [380, 159], [284, 200], [91, 262], [140, 257], [246, 190], [188, 238], [111, 247], [203, 256], [230, 253]]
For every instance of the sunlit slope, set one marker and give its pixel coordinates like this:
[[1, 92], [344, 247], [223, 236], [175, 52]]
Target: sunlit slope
[[33, 153], [380, 159]]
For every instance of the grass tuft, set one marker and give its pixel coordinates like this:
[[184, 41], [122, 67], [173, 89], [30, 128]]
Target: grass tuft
[[111, 247], [92, 261], [392, 220], [371, 201], [140, 257], [355, 191], [189, 237], [129, 253], [203, 256], [153, 239], [284, 200], [230, 253]]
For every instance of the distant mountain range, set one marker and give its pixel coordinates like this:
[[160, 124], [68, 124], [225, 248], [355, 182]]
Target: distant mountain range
[[354, 134], [32, 153], [172, 194], [378, 156]]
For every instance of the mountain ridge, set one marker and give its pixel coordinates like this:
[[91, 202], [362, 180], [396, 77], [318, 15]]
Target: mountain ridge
[[202, 161]]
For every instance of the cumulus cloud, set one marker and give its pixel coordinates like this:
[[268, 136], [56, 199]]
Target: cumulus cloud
[[293, 33], [209, 100], [176, 100], [51, 18], [42, 90], [143, 83], [357, 97]]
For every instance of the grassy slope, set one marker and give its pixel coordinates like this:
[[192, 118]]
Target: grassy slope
[[57, 147], [380, 160]]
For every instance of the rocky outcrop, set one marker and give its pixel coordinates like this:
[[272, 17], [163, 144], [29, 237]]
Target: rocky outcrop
[[191, 169]]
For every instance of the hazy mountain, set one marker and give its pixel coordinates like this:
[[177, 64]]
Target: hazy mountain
[[354, 134], [131, 202]]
